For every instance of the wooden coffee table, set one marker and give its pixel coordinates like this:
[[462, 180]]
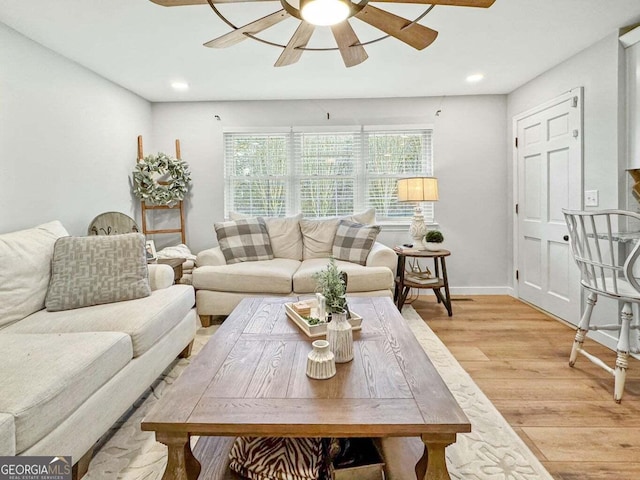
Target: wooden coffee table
[[249, 380]]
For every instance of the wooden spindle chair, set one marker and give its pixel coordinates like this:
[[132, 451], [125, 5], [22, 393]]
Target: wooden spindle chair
[[606, 268]]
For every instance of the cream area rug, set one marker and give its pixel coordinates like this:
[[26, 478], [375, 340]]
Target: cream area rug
[[492, 451]]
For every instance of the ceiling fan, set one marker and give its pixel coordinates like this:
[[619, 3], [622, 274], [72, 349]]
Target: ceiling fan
[[336, 15]]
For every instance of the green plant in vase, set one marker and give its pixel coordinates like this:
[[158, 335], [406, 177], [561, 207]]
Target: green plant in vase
[[433, 240], [332, 284]]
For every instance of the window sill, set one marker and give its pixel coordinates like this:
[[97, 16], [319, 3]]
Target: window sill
[[402, 226]]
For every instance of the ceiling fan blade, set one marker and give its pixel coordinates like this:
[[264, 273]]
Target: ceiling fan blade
[[292, 53], [182, 3], [352, 52], [236, 36], [416, 35], [453, 3]]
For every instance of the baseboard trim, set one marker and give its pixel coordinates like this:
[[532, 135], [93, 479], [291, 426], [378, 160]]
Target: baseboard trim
[[481, 291], [603, 339]]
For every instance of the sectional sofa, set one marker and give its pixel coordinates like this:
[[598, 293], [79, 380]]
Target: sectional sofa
[[68, 375]]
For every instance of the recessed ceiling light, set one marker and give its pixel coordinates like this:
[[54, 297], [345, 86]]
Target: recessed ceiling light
[[180, 86], [476, 77]]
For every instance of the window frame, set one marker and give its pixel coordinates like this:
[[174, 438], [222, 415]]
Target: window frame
[[360, 175]]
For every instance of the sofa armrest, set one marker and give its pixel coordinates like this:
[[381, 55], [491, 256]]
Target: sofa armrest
[[211, 257], [382, 256], [7, 435], [160, 276]]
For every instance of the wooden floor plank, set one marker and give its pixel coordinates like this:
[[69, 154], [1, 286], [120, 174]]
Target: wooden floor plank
[[547, 413], [598, 444], [593, 470], [548, 368], [519, 358]]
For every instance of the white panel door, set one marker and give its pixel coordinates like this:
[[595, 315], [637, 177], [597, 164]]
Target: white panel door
[[549, 165]]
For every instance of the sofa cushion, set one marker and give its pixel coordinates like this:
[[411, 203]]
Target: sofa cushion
[[25, 257], [366, 217], [244, 240], [145, 320], [318, 236], [94, 270], [360, 278], [353, 241], [41, 390], [267, 276], [284, 233], [7, 435]]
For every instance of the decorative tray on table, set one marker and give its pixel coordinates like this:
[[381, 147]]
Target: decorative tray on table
[[319, 329]]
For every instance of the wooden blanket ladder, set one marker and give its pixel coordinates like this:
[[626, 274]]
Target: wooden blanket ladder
[[178, 206]]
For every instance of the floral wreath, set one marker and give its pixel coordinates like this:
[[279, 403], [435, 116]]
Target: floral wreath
[[148, 189]]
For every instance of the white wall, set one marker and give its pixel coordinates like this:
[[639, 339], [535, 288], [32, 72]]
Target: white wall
[[600, 70], [633, 97], [469, 155], [597, 69], [67, 139]]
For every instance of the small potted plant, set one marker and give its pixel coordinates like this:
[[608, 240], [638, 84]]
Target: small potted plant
[[332, 284], [433, 240]]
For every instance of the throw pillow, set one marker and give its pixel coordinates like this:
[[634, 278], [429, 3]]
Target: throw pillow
[[318, 236], [353, 241], [368, 217], [279, 458], [244, 240], [94, 270], [25, 260], [284, 234]]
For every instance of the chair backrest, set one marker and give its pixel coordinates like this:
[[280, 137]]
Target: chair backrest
[[606, 264], [112, 223]]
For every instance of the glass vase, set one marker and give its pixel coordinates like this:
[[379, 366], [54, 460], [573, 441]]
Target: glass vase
[[340, 337]]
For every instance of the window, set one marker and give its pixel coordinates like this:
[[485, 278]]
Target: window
[[391, 155], [324, 174]]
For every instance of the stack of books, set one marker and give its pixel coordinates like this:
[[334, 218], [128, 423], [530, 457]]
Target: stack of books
[[421, 278], [403, 249]]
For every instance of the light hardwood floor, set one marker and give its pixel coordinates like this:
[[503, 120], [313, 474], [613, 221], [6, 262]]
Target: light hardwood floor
[[519, 357]]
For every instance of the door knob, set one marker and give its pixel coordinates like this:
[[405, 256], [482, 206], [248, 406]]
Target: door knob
[[566, 238]]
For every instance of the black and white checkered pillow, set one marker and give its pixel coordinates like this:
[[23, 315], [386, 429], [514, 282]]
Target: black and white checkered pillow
[[353, 241], [244, 240]]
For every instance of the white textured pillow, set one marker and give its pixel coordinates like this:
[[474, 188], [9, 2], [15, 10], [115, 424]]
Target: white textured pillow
[[368, 217], [25, 257], [318, 236], [284, 233]]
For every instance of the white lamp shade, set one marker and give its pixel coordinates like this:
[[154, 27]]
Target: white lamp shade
[[418, 189]]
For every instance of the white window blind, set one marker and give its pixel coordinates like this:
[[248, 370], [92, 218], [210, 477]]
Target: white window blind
[[326, 167], [391, 155], [324, 174], [257, 171]]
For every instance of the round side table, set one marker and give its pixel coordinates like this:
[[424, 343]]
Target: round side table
[[440, 281]]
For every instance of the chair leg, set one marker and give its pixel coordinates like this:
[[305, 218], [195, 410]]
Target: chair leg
[[623, 352], [583, 328]]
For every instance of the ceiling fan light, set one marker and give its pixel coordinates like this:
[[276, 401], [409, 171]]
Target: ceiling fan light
[[324, 12]]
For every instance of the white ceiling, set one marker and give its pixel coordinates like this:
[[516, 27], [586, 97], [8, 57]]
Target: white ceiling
[[145, 47]]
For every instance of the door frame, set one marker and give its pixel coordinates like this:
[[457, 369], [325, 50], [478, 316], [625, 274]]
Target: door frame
[[574, 92]]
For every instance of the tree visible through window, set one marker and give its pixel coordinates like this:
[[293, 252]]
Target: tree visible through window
[[324, 174]]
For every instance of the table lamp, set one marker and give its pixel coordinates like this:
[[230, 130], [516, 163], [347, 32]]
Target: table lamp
[[417, 190]]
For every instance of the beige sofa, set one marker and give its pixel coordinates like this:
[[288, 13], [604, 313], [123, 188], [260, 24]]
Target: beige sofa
[[301, 247], [67, 376]]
